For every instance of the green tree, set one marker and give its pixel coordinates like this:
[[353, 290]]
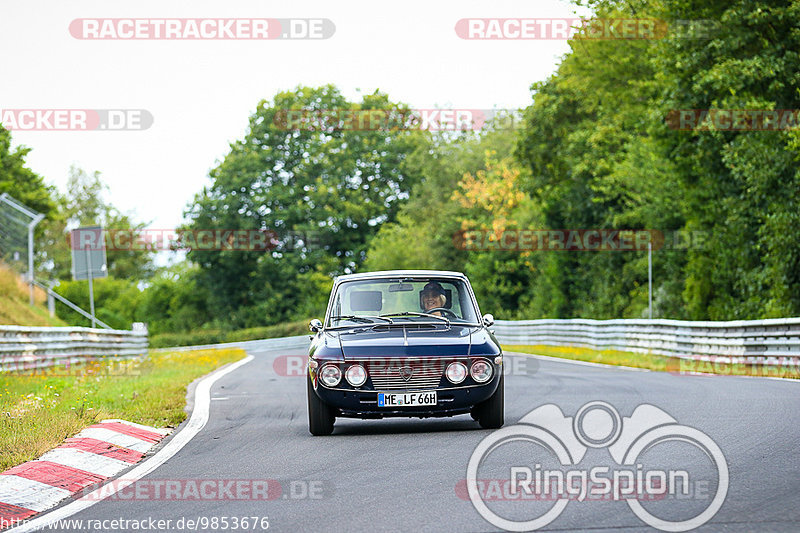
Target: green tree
[[21, 182], [174, 301], [117, 301], [27, 187], [587, 122], [85, 204], [743, 186], [333, 183], [425, 234], [602, 155]]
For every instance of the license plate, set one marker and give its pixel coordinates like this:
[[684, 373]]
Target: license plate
[[406, 399]]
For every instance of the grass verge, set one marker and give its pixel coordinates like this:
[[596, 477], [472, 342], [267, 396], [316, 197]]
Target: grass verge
[[14, 302], [659, 363], [39, 409]]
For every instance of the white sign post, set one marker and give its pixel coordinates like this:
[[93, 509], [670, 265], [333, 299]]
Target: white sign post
[[88, 258]]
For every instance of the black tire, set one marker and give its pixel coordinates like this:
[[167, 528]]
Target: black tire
[[491, 413], [320, 415]]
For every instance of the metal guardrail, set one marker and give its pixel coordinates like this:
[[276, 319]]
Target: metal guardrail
[[25, 348], [772, 341]]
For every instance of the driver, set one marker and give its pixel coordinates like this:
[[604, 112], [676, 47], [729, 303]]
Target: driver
[[433, 296]]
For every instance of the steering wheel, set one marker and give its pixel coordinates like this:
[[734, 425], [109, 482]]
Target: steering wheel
[[443, 310]]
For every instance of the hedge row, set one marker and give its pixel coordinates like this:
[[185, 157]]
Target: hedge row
[[211, 336]]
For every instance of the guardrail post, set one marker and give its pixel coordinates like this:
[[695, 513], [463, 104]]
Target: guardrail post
[[650, 280], [51, 303]]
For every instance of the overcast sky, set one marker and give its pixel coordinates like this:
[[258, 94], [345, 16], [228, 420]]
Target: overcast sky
[[201, 93]]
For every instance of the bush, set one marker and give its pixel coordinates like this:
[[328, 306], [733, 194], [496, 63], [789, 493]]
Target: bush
[[116, 301], [215, 336]]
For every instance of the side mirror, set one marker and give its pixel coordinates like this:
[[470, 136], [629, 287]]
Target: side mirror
[[488, 320], [315, 325]]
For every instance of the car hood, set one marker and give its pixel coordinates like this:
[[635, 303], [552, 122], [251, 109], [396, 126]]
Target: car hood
[[397, 341]]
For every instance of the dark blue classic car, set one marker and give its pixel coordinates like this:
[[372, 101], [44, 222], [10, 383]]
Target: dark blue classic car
[[407, 343]]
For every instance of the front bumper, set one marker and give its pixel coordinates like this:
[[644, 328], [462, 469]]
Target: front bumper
[[451, 401]]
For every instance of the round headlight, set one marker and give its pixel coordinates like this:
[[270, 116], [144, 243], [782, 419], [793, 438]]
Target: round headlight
[[481, 371], [356, 375], [330, 375], [456, 372]]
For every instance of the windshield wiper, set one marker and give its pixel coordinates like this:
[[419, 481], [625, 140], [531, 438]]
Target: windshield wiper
[[363, 318], [412, 313]]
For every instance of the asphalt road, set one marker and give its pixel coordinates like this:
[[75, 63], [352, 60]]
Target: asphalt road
[[402, 474]]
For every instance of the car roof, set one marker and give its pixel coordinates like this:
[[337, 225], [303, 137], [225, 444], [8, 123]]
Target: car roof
[[401, 273]]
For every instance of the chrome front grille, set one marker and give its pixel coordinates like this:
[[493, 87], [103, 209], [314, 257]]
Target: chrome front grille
[[394, 374]]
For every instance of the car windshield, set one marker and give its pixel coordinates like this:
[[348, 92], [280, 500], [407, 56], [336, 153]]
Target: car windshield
[[402, 301]]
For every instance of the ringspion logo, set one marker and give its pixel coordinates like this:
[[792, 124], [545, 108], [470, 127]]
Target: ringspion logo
[[672, 477], [201, 29], [76, 119]]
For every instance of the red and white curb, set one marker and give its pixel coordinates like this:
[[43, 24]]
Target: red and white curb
[[95, 454], [196, 422]]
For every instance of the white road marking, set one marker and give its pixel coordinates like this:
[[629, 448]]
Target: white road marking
[[199, 418], [30, 494]]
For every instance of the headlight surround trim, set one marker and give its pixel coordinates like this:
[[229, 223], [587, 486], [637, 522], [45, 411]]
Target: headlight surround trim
[[330, 375], [458, 373], [481, 371], [356, 375]]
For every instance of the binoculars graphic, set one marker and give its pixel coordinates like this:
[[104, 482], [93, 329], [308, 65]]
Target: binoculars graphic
[[597, 425]]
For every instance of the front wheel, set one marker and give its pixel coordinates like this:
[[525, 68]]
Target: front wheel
[[490, 414], [320, 415]]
